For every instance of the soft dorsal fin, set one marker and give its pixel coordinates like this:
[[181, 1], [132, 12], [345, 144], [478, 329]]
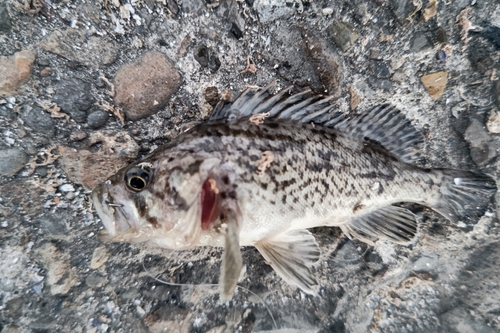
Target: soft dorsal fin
[[384, 124], [291, 254]]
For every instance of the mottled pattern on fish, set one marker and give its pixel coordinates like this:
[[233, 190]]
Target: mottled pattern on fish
[[267, 167], [315, 170]]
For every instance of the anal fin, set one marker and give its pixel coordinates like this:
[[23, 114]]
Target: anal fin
[[291, 255], [390, 222]]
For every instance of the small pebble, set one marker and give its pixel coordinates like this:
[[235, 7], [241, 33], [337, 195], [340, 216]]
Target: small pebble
[[66, 188], [343, 34], [43, 62], [236, 31], [5, 21], [42, 171], [327, 11], [77, 135], [46, 72], [493, 123], [97, 119], [211, 95], [36, 118]]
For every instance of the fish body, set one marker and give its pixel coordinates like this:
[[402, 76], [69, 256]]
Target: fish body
[[265, 168]]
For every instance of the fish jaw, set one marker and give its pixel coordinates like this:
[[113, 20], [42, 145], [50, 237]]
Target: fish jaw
[[116, 216]]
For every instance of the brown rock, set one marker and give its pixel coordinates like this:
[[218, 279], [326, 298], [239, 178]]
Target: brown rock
[[435, 83], [493, 124], [355, 99], [14, 71], [92, 168], [144, 87], [87, 168], [211, 95], [77, 135], [46, 72], [99, 257], [60, 277]]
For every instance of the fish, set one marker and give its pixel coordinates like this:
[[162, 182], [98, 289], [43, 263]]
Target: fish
[[264, 169]]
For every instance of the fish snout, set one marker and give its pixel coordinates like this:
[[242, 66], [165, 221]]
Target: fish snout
[[105, 208]]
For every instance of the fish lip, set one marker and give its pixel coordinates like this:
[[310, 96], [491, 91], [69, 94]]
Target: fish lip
[[101, 204]]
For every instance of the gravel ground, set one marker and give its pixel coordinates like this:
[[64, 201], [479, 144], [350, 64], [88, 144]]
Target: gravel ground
[[88, 86]]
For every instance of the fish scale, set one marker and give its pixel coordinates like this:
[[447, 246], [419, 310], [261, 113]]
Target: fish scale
[[265, 168]]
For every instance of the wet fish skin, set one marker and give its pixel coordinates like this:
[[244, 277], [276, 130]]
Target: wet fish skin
[[268, 181]]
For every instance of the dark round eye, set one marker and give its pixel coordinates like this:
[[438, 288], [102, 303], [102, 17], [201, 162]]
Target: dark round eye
[[138, 178]]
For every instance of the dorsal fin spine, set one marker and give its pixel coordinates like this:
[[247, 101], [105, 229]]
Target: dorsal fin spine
[[384, 123]]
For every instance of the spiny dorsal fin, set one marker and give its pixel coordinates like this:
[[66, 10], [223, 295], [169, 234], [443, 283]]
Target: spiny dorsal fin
[[390, 222], [291, 254], [384, 124]]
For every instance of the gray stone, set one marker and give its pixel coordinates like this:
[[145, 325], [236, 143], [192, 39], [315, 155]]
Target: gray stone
[[383, 84], [441, 36], [381, 69], [207, 58], [12, 160], [95, 280], [97, 119], [405, 9], [38, 119], [74, 98], [44, 62], [5, 22], [77, 135], [42, 171], [55, 223], [420, 43], [343, 34], [76, 46], [426, 264], [270, 11], [482, 149], [347, 257]]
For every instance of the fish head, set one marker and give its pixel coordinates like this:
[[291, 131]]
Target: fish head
[[157, 201]]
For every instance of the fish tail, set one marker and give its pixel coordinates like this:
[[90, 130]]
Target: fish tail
[[464, 195]]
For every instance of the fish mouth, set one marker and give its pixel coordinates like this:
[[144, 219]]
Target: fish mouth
[[108, 210]]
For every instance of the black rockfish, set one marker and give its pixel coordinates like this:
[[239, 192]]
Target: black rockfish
[[265, 168]]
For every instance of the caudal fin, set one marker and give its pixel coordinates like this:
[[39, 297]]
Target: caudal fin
[[464, 195]]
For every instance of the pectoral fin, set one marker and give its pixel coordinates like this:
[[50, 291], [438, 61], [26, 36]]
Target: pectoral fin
[[291, 255], [232, 262], [392, 223]]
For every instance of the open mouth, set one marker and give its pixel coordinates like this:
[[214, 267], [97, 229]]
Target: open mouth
[[210, 203]]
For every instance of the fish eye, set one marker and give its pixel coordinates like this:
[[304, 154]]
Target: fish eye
[[137, 179]]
